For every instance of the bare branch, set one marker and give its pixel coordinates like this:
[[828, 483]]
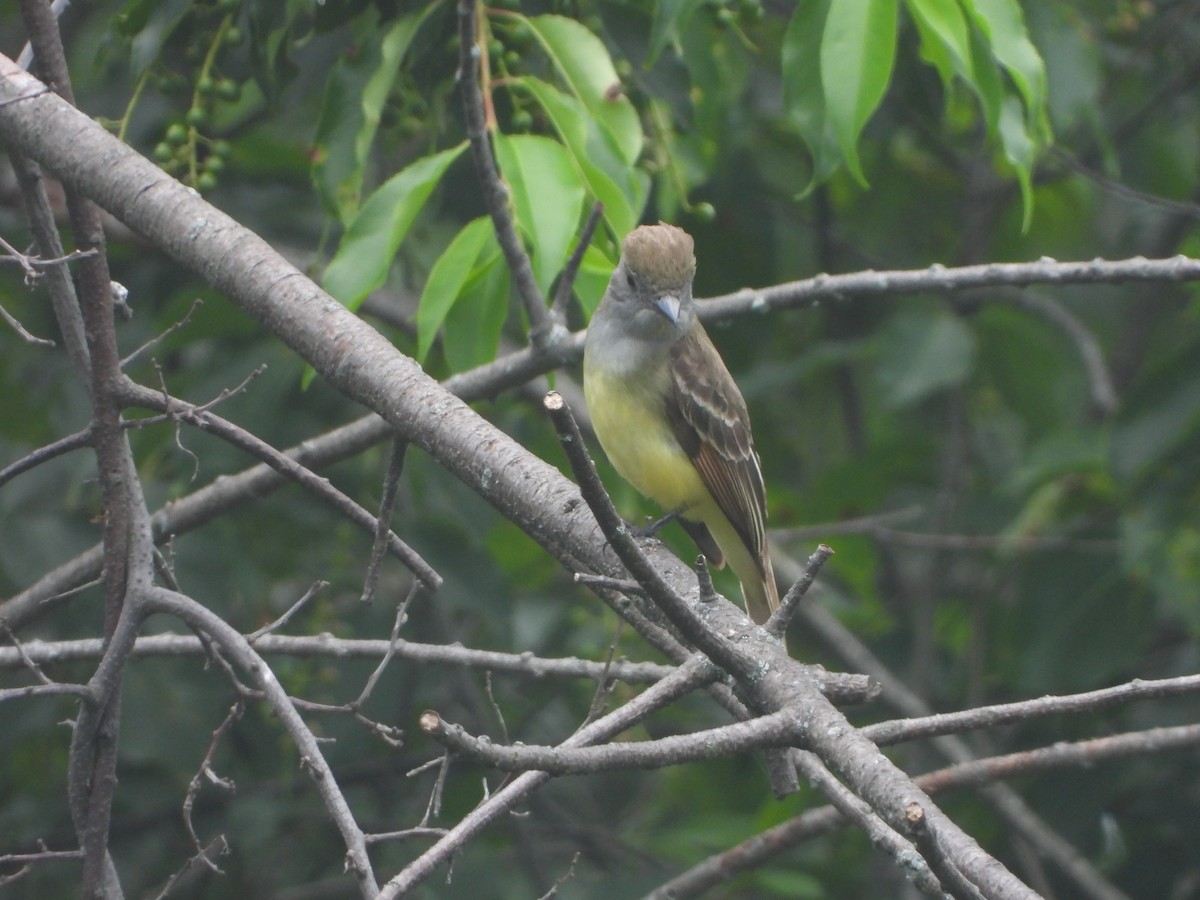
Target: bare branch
[[392, 646], [205, 773], [20, 329], [544, 331], [387, 506], [687, 678], [1006, 802], [205, 420], [313, 590], [200, 862], [621, 585], [870, 283], [772, 730], [778, 623], [763, 846], [159, 338], [328, 646], [894, 732], [28, 860], [1104, 394], [312, 760], [942, 864], [855, 811], [1065, 753], [566, 281], [57, 279]]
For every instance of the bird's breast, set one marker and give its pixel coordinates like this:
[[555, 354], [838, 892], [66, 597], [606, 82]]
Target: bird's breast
[[628, 415]]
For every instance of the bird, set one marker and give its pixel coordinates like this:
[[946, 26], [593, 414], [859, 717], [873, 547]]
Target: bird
[[668, 414]]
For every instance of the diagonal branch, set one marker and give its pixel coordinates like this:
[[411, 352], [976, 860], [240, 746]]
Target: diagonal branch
[[239, 650], [691, 675], [206, 420]]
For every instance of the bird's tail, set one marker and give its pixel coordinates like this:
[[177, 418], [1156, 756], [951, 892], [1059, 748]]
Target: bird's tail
[[761, 594]]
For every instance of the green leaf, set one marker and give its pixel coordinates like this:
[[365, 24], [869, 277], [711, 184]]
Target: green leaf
[[622, 189], [592, 279], [986, 80], [669, 18], [858, 48], [537, 169], [1020, 151], [922, 351], [1003, 23], [365, 254], [583, 61], [945, 38], [155, 24], [473, 325], [355, 94], [803, 98], [447, 279]]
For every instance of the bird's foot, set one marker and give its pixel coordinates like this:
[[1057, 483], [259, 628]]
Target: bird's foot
[[651, 530]]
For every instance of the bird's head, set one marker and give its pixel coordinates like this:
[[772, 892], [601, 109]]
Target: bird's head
[[654, 277]]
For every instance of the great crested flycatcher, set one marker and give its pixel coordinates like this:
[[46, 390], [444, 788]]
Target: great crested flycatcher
[[668, 413]]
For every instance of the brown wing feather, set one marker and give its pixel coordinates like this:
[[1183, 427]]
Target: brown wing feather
[[710, 421]]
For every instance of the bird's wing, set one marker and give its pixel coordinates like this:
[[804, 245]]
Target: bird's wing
[[710, 421]]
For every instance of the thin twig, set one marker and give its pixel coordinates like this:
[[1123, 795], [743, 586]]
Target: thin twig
[[604, 582], [205, 773], [570, 873], [24, 333], [566, 281], [691, 675], [314, 589], [404, 835], [159, 338], [202, 620], [387, 506], [392, 645], [604, 684], [778, 623], [1100, 382], [200, 417]]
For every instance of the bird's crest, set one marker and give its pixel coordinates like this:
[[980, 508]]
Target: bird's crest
[[661, 254]]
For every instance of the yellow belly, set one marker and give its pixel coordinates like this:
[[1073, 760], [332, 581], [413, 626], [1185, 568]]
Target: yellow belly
[[628, 417], [637, 439]]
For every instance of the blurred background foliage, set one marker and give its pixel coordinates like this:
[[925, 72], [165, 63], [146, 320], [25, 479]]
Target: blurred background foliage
[[1037, 542]]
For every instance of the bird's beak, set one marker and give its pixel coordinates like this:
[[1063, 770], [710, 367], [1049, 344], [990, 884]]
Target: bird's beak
[[668, 305]]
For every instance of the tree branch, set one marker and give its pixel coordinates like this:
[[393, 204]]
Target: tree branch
[[693, 674], [200, 619], [772, 730], [545, 331]]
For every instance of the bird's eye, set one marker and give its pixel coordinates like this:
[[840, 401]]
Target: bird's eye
[[631, 281]]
